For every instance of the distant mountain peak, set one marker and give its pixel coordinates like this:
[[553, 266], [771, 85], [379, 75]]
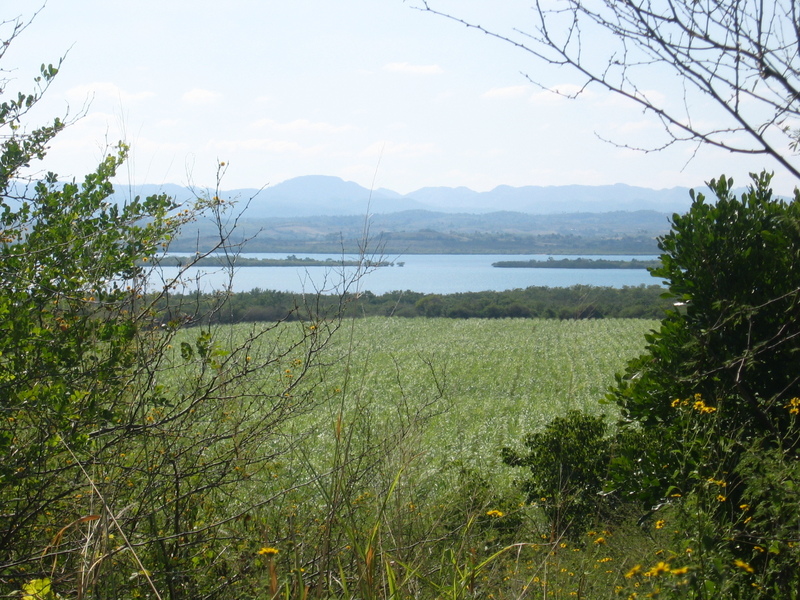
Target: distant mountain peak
[[329, 195]]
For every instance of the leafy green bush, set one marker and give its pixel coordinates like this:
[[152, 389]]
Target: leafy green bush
[[718, 387], [733, 269], [116, 474], [568, 461]]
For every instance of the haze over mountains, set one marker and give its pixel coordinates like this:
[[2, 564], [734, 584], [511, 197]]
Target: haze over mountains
[[318, 195]]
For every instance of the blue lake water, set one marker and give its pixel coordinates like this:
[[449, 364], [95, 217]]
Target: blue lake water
[[427, 273]]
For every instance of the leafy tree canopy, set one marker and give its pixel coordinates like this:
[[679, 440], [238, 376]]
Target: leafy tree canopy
[[733, 270]]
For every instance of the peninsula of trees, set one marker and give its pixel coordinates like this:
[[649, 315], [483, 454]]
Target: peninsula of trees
[[292, 260], [577, 263]]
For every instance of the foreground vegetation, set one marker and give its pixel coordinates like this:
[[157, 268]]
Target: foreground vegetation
[[398, 463], [150, 449]]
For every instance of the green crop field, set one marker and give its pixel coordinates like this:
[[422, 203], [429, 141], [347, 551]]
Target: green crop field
[[404, 426], [504, 376], [498, 378], [457, 390]]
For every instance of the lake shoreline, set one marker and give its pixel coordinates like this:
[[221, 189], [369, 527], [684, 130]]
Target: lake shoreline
[[577, 263], [426, 273]]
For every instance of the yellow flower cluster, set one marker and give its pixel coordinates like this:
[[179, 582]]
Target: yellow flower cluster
[[794, 406], [703, 408], [268, 551], [494, 513], [661, 568], [697, 403]]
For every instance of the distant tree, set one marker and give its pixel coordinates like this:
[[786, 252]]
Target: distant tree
[[566, 464], [741, 56]]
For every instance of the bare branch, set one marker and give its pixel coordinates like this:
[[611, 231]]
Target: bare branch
[[743, 56]]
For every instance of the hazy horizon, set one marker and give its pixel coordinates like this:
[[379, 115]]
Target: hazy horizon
[[375, 93]]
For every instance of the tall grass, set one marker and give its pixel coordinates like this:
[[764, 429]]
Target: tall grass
[[393, 485]]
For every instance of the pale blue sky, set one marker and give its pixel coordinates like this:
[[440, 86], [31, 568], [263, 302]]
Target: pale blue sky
[[361, 89]]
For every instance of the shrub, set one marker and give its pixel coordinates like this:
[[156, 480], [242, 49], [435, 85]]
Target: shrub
[[718, 387], [567, 462]]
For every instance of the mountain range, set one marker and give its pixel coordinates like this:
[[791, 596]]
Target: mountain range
[[321, 195]]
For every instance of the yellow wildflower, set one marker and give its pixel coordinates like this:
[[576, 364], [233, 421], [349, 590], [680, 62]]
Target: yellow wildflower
[[702, 407], [268, 551], [494, 513], [743, 565], [660, 568], [660, 524]]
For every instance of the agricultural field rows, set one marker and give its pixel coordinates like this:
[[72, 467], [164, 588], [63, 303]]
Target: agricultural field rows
[[459, 390], [391, 440], [499, 379]]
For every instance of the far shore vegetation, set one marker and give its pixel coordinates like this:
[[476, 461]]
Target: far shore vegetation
[[575, 302], [432, 242], [577, 263], [292, 260]]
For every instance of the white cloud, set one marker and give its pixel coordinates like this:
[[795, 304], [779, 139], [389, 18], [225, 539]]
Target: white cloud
[[404, 149], [302, 126], [107, 91], [409, 69], [264, 145], [512, 91], [201, 96]]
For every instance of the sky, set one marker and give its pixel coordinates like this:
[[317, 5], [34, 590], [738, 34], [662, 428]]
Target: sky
[[372, 91]]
